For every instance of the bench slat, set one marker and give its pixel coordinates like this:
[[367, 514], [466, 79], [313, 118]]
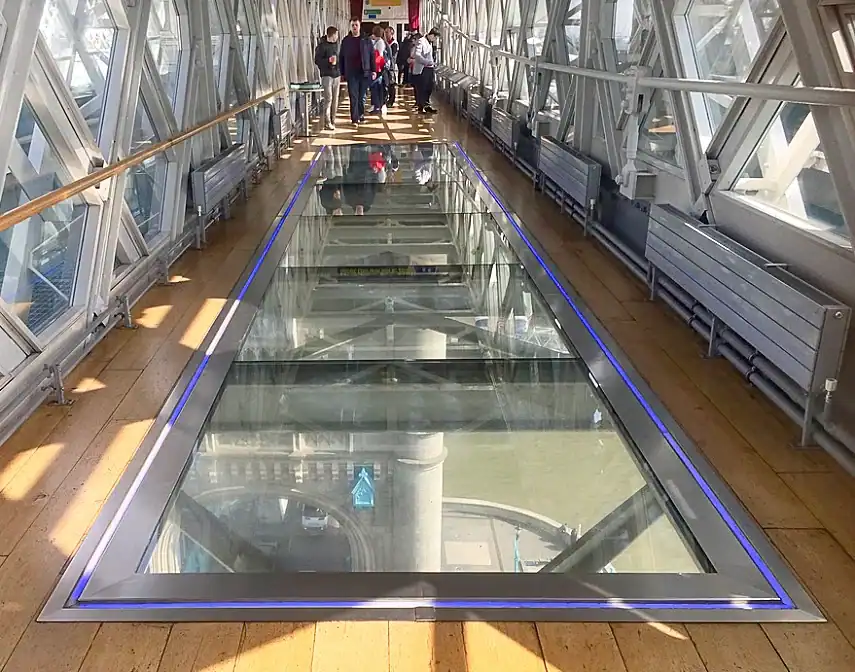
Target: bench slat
[[792, 368], [575, 174], [216, 178], [742, 288], [803, 298], [723, 294], [502, 125], [797, 327]]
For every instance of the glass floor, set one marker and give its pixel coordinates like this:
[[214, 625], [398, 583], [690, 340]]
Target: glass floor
[[404, 412]]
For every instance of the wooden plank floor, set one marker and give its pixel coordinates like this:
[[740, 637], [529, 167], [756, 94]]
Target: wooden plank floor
[[58, 469]]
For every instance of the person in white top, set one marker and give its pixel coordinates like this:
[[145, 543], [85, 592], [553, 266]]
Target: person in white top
[[424, 74]]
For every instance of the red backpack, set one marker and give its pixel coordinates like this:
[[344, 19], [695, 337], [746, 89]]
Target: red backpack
[[379, 62]]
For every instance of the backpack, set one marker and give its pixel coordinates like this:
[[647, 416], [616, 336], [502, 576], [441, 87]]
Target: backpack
[[379, 62]]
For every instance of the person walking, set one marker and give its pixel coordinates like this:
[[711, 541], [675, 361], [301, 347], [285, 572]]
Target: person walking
[[381, 70], [403, 57], [393, 55], [356, 61], [415, 36], [424, 71], [326, 58]]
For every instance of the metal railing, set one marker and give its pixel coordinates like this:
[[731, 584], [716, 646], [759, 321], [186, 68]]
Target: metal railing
[[809, 95], [52, 198]]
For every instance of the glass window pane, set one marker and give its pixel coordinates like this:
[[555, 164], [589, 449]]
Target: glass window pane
[[630, 29], [788, 172], [726, 37], [217, 37], [658, 135], [401, 350], [80, 40], [39, 256], [164, 41], [146, 182], [243, 32]]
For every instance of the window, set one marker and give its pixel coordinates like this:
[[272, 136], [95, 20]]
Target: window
[[39, 257], [218, 39], [80, 35], [164, 40], [720, 40], [146, 181], [629, 31], [788, 172], [658, 134]]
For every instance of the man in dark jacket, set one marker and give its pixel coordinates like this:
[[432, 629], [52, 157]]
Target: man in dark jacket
[[356, 60], [326, 58], [404, 56], [394, 54]]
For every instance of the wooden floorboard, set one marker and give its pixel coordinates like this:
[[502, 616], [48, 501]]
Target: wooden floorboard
[[58, 469]]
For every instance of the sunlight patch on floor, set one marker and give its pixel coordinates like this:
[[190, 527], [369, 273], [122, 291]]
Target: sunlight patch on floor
[[88, 385], [106, 465], [23, 473], [667, 630], [198, 328], [153, 316]]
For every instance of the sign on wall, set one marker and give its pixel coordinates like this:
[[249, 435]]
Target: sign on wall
[[385, 10]]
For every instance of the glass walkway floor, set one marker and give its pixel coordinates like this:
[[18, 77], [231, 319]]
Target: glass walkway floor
[[404, 412]]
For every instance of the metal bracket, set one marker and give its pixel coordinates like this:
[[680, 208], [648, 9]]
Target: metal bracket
[[125, 312], [200, 229], [56, 386], [715, 332]]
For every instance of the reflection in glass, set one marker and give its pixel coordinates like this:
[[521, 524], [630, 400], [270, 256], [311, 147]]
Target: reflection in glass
[[243, 32], [163, 35], [80, 37], [218, 39], [658, 136], [631, 20], [404, 401], [39, 256], [788, 171], [725, 37], [146, 181]]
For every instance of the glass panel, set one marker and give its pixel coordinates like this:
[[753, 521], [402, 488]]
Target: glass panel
[[788, 172], [218, 38], [164, 40], [725, 37], [243, 32], [631, 19], [658, 135], [38, 257], [537, 39], [80, 37], [413, 410], [146, 182]]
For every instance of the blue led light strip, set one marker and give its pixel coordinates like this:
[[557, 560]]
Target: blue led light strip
[[404, 603], [98, 553], [629, 605], [681, 454]]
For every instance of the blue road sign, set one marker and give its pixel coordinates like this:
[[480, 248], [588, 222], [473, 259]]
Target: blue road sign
[[363, 488]]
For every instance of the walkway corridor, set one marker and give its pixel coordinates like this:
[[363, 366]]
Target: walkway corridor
[[58, 469]]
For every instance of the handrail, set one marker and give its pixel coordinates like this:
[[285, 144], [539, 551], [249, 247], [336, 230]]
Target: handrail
[[810, 95], [48, 200]]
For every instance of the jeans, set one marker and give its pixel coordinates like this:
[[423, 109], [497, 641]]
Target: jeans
[[423, 87], [332, 87], [356, 88], [378, 93], [391, 90]]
